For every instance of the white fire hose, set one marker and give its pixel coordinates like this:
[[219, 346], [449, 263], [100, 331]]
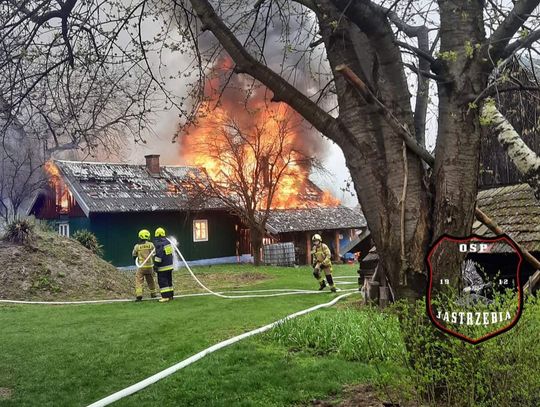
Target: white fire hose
[[278, 292], [186, 362], [145, 260], [213, 292]]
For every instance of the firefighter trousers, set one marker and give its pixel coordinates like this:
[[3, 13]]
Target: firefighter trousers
[[140, 276], [164, 279], [327, 273]]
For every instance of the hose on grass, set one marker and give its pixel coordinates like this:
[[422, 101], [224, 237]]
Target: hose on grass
[[280, 292], [186, 362], [208, 289]]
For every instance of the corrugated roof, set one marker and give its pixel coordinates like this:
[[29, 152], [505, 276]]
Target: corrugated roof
[[515, 209], [312, 219], [108, 187]]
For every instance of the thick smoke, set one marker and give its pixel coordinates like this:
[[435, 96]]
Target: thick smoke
[[239, 94]]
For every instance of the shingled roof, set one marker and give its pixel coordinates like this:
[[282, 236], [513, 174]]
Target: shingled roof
[[312, 219], [107, 187], [515, 209]]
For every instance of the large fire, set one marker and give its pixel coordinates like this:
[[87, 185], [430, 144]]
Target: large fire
[[212, 143], [62, 194]]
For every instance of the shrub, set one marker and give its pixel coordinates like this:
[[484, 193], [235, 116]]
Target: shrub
[[366, 335], [88, 240], [20, 231], [501, 371]]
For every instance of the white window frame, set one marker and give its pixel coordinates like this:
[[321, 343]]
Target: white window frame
[[63, 229], [201, 222]]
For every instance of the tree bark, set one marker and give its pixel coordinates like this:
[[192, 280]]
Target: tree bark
[[256, 245], [377, 166], [457, 151]]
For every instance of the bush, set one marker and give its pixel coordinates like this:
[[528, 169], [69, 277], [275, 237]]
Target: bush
[[20, 231], [501, 371], [88, 240], [366, 335]]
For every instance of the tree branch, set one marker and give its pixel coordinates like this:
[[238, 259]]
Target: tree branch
[[283, 90], [422, 54], [521, 43], [525, 159], [509, 27], [398, 127], [426, 74]]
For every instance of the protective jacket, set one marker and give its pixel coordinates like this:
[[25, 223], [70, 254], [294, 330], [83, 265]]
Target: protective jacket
[[141, 252], [321, 255], [164, 254]]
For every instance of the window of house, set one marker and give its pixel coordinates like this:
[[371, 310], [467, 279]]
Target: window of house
[[63, 229], [200, 230]]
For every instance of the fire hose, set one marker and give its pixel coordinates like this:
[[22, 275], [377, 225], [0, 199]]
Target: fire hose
[[186, 362], [145, 260], [278, 292], [219, 294]]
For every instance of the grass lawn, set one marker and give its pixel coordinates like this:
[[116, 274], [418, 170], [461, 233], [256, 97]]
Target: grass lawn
[[74, 355]]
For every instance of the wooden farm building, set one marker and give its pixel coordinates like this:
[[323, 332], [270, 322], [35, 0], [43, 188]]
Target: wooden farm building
[[115, 201], [517, 212], [338, 226]]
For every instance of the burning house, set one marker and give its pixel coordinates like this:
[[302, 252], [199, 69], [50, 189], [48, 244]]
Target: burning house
[[115, 201]]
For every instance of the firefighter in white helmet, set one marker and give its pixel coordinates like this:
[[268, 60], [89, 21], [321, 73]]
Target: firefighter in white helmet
[[143, 253], [322, 261]]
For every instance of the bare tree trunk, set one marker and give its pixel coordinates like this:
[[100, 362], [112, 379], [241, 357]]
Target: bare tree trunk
[[256, 244]]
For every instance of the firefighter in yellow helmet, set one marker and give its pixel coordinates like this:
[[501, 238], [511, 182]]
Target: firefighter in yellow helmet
[[143, 253], [322, 260], [163, 265]]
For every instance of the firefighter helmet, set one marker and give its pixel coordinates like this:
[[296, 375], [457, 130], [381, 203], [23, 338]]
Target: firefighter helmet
[[160, 232], [144, 234], [315, 237]]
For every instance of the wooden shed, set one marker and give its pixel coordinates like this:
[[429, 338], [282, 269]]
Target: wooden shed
[[339, 227], [515, 209]]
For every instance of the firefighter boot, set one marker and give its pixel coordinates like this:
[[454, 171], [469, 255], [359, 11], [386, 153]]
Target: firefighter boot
[[331, 283], [322, 284], [138, 298]]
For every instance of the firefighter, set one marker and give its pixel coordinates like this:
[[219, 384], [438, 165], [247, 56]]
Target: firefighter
[[143, 253], [163, 265], [321, 259]]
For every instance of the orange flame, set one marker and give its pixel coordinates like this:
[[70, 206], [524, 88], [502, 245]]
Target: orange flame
[[62, 194], [294, 190]]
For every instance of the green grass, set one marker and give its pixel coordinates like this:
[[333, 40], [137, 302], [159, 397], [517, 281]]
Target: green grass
[[365, 335], [74, 355]]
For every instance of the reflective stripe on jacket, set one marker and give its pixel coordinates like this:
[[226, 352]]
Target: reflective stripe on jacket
[[141, 251], [164, 254]]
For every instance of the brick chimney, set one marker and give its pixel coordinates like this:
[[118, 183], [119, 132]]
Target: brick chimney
[[152, 164]]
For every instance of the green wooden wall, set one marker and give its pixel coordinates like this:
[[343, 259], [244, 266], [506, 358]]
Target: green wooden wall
[[117, 232]]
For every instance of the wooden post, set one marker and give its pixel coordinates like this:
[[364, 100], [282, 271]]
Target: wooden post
[[336, 245], [308, 249]]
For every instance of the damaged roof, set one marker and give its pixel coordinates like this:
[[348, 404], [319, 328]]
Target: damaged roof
[[107, 187], [313, 219], [515, 209]]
